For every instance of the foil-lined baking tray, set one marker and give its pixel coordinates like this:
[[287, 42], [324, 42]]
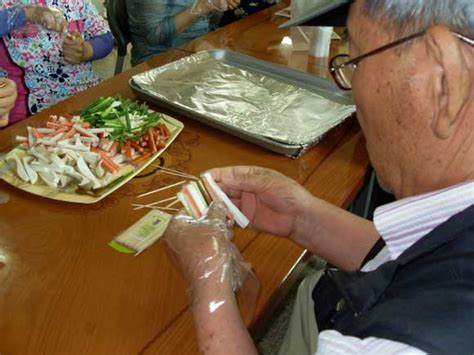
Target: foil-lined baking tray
[[281, 109]]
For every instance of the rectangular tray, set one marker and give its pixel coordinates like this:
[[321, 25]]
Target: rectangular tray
[[124, 175], [312, 83]]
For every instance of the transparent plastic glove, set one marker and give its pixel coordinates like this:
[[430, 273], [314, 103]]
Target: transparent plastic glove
[[203, 7], [203, 252], [8, 95], [48, 17]]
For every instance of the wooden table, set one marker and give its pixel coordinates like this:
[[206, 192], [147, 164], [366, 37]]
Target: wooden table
[[63, 290]]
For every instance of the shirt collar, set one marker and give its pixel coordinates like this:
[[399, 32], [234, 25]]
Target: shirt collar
[[402, 223]]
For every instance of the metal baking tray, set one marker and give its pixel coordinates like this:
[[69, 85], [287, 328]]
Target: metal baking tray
[[272, 73]]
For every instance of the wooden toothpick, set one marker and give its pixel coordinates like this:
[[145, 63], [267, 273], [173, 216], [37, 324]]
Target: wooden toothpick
[[163, 188]]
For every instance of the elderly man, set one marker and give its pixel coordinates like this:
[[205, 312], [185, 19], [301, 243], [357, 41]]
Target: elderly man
[[411, 70]]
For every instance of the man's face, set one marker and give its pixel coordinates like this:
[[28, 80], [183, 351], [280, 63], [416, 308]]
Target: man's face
[[388, 90]]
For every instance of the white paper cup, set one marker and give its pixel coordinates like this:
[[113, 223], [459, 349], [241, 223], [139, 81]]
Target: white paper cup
[[320, 42]]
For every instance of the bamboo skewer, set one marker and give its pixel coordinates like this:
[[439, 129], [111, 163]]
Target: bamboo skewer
[[180, 175], [173, 203], [155, 207], [176, 172], [162, 188], [174, 198]]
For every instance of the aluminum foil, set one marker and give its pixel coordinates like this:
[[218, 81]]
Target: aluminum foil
[[245, 99]]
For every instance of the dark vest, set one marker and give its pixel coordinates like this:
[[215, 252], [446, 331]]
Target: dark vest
[[425, 298]]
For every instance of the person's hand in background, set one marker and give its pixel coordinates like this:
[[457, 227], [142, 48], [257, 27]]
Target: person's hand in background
[[8, 95], [203, 7], [48, 17], [232, 4], [75, 49]]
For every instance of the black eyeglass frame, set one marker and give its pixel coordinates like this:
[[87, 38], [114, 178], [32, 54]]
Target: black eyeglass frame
[[333, 68]]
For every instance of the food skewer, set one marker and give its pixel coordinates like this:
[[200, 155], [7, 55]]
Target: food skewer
[[174, 198], [180, 175], [156, 207], [165, 169], [173, 203], [162, 188]]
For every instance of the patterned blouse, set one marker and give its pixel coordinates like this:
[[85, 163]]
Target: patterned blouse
[[47, 76]]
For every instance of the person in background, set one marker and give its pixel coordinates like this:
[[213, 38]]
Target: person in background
[[158, 25], [8, 96], [404, 283], [47, 48]]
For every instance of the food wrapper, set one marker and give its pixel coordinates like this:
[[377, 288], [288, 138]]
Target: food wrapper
[[142, 234]]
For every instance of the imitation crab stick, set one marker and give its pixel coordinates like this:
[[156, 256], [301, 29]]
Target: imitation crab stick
[[166, 131], [113, 147], [152, 141], [109, 162], [192, 204], [128, 150], [136, 146], [36, 134], [212, 186], [141, 159], [69, 133]]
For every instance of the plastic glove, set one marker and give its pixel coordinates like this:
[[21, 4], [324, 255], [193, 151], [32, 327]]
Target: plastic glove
[[203, 7], [75, 49], [8, 95], [48, 17], [210, 263]]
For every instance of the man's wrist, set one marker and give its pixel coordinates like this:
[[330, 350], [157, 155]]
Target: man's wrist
[[204, 293], [305, 220]]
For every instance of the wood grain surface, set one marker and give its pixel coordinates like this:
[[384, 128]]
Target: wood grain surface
[[63, 290]]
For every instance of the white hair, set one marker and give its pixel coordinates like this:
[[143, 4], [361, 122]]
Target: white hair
[[414, 15]]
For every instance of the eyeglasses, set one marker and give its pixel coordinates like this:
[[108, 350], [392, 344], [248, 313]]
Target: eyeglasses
[[342, 67]]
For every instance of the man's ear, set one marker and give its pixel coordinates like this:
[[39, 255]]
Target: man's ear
[[452, 82]]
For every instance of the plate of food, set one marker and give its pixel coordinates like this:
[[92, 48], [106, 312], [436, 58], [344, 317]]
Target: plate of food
[[84, 157]]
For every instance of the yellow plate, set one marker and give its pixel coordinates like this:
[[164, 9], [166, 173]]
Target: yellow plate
[[124, 175]]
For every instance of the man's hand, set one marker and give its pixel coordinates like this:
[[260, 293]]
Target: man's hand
[[213, 268], [271, 201], [75, 49], [202, 250], [48, 17], [8, 95], [278, 205]]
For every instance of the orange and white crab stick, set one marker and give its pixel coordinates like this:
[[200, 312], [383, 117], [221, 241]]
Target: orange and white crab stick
[[214, 189]]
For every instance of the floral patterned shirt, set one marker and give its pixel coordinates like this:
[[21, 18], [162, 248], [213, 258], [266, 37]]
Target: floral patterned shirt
[[47, 76]]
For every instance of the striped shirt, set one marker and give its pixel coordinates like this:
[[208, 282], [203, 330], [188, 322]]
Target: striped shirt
[[401, 224]]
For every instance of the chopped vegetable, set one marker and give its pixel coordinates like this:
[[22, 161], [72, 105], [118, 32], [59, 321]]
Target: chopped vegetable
[[87, 149]]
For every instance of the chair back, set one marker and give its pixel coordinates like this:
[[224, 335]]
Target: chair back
[[118, 22]]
